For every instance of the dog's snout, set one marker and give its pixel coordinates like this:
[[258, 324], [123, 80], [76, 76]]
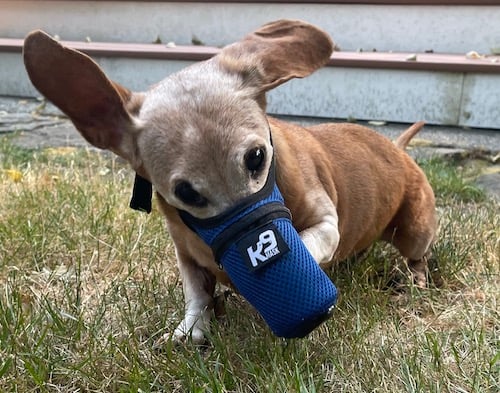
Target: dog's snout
[[188, 195]]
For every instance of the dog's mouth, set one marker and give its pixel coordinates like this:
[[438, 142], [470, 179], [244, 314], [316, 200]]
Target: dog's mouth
[[251, 212], [234, 210]]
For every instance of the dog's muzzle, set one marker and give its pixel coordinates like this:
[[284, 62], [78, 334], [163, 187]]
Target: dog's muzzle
[[256, 244]]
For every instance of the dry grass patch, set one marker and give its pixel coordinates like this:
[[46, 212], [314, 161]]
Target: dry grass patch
[[87, 285]]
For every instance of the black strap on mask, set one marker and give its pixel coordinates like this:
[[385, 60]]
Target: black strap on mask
[[141, 194]]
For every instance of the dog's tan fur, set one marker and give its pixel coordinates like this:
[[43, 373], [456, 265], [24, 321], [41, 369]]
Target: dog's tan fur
[[345, 185]]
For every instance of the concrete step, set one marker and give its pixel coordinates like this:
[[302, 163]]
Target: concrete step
[[443, 87], [400, 87], [386, 60], [444, 26]]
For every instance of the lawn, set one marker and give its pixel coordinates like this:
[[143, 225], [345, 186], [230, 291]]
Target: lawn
[[88, 285]]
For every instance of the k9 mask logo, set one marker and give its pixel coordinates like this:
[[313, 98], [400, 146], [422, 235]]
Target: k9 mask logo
[[262, 246]]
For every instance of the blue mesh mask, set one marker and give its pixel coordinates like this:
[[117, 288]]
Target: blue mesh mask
[[263, 255]]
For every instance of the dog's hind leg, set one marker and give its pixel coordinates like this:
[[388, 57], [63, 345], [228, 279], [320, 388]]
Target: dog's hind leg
[[413, 231], [415, 246]]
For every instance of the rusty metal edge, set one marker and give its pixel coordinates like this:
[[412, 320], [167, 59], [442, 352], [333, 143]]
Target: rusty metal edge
[[376, 60]]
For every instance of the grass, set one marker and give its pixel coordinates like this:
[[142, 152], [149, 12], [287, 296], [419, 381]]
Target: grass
[[87, 286]]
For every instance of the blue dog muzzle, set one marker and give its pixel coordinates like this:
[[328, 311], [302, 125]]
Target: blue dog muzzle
[[257, 245]]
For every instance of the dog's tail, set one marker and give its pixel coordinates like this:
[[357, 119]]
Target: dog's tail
[[405, 137]]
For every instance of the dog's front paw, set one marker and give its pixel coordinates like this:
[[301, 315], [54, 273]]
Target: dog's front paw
[[188, 330], [191, 329], [322, 239]]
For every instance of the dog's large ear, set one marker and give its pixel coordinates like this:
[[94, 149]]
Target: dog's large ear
[[278, 52], [98, 107]]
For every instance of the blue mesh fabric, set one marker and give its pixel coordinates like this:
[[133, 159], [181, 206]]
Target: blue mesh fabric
[[209, 234], [289, 293]]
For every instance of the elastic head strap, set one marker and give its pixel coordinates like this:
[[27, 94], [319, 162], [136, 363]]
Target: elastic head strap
[[141, 194]]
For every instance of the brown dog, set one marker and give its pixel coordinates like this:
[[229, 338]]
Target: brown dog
[[201, 137]]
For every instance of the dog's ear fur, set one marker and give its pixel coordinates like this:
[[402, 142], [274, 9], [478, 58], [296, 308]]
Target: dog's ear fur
[[276, 53], [99, 108]]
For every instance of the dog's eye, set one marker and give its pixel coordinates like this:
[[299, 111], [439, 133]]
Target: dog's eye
[[187, 194], [254, 159]]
